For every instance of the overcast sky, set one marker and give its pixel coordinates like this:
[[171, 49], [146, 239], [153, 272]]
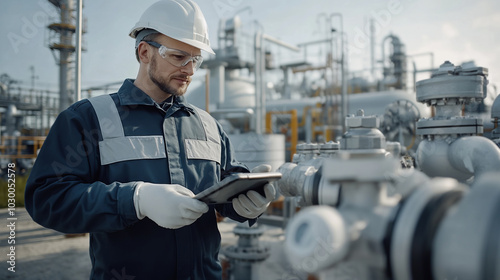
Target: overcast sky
[[455, 30]]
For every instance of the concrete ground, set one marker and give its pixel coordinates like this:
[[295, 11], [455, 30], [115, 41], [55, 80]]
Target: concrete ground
[[42, 253]]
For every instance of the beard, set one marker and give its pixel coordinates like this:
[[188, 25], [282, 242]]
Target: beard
[[162, 83]]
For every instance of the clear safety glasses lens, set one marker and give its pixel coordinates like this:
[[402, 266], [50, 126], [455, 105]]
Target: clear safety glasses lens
[[176, 57]]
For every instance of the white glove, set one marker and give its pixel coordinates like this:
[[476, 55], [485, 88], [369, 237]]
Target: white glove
[[252, 204], [169, 206], [261, 168]]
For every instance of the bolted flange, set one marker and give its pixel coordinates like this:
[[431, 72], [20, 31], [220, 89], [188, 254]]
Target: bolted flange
[[447, 90], [452, 84]]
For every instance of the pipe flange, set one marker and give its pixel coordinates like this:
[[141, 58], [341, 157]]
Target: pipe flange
[[466, 84], [248, 254], [450, 101], [307, 148], [453, 126], [241, 231], [306, 151], [329, 147]]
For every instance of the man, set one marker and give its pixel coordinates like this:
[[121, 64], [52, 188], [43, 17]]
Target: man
[[125, 166]]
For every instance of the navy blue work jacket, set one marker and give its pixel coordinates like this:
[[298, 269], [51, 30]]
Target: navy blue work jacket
[[72, 191]]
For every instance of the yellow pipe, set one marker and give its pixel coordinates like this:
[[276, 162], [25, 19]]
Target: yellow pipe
[[269, 116], [304, 114]]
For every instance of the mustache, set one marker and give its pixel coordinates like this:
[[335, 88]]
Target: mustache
[[182, 77]]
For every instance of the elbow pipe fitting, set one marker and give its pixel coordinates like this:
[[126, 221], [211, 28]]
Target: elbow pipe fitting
[[461, 159], [474, 155]]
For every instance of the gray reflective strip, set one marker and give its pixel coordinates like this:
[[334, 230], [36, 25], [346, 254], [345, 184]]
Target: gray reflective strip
[[107, 114], [115, 146], [200, 149], [211, 129], [131, 148]]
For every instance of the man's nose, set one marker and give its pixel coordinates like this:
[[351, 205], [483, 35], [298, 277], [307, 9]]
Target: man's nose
[[188, 68]]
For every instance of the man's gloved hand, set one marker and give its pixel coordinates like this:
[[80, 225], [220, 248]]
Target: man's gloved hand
[[169, 206], [261, 168], [252, 204]]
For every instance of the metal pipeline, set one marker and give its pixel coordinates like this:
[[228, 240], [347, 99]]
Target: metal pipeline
[[461, 158], [475, 155], [451, 147]]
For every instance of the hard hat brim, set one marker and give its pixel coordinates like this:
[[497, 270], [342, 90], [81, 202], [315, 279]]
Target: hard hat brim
[[195, 43], [198, 45]]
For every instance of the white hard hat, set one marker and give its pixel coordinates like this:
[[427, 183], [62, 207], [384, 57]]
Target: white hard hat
[[178, 19]]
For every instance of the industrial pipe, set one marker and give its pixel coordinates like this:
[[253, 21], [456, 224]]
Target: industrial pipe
[[474, 155], [460, 159]]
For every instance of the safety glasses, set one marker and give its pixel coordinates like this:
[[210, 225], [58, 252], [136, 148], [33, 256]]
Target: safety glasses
[[176, 57]]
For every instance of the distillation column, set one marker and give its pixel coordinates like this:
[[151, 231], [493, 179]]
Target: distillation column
[[61, 39]]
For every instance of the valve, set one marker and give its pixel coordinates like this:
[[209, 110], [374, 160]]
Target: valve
[[362, 133], [448, 89]]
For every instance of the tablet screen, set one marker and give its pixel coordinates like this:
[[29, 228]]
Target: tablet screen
[[236, 184]]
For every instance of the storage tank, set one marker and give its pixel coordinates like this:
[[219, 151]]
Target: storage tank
[[253, 149]]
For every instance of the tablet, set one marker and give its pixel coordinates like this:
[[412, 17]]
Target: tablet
[[236, 184]]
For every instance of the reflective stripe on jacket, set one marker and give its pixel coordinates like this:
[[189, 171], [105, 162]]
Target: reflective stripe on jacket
[[116, 147], [85, 176]]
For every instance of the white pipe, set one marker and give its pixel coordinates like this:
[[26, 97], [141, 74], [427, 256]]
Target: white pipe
[[342, 71], [78, 50], [258, 83], [280, 43], [463, 158], [475, 155]]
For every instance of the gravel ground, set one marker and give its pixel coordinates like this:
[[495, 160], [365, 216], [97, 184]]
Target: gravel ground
[[42, 253]]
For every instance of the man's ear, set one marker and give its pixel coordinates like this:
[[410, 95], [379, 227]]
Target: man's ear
[[143, 52]]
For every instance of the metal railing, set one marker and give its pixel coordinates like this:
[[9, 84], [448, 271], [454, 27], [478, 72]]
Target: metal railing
[[17, 147]]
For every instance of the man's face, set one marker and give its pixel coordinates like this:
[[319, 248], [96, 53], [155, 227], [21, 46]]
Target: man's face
[[171, 79]]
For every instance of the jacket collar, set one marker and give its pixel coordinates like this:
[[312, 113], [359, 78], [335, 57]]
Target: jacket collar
[[129, 94]]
